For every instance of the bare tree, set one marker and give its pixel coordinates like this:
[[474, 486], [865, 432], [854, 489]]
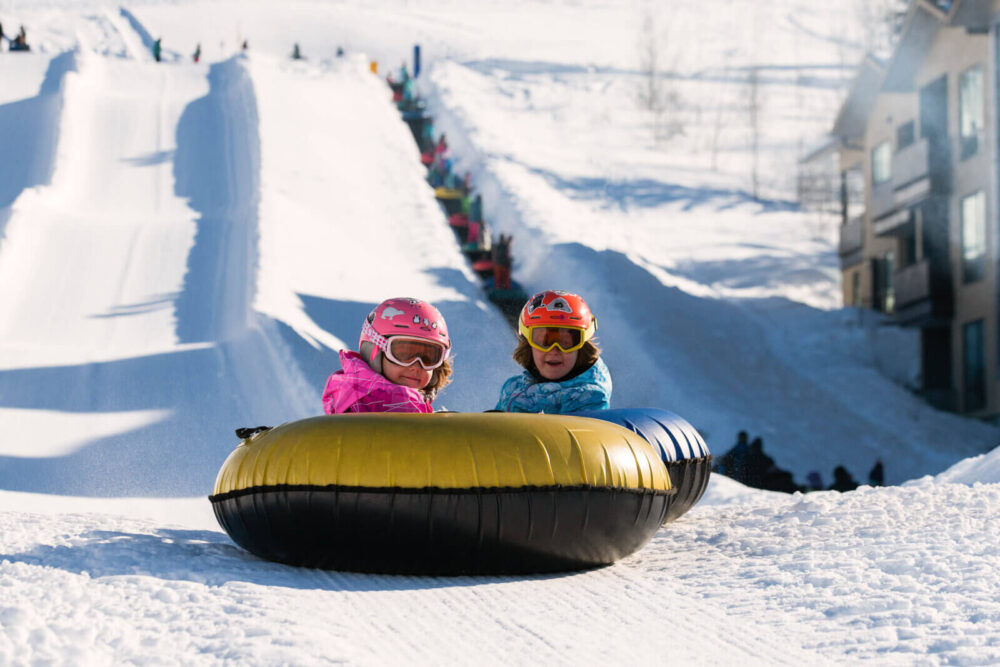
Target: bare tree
[[880, 21], [720, 102], [753, 120], [649, 63], [656, 92]]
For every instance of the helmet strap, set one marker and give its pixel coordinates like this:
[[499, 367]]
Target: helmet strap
[[372, 355]]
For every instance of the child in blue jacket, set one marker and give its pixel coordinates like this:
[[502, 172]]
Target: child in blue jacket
[[564, 372]]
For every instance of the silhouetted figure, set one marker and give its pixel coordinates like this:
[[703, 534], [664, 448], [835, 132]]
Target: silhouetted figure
[[732, 464], [876, 476], [842, 480], [814, 481], [776, 479], [296, 52], [501, 262], [157, 49], [427, 137], [476, 209], [20, 42], [758, 464], [340, 52], [245, 45], [1, 33], [196, 56]]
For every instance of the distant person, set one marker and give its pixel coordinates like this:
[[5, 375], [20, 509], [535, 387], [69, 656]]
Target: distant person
[[427, 137], [196, 56], [757, 465], [441, 148], [340, 52], [296, 52], [876, 476], [157, 49], [842, 480], [20, 42], [502, 261], [563, 369], [732, 464], [401, 363], [245, 45], [814, 481], [476, 209], [777, 479], [1, 33]]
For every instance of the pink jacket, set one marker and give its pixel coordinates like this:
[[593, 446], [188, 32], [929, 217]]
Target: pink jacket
[[357, 388]]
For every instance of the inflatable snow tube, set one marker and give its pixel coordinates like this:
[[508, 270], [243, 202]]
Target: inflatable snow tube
[[681, 448], [446, 493]]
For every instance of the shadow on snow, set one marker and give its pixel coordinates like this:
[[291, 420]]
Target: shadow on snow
[[29, 133], [211, 559]]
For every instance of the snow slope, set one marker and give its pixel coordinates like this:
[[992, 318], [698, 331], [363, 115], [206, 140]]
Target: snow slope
[[184, 247]]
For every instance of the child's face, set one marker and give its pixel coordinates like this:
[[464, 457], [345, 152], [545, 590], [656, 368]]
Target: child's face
[[415, 375], [555, 363]]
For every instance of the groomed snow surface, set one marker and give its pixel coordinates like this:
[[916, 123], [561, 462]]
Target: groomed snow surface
[[184, 248]]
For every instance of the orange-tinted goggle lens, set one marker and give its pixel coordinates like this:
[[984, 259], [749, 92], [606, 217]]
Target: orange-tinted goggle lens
[[408, 351], [566, 339]]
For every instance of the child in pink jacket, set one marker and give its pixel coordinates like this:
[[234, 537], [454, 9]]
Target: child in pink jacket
[[401, 365]]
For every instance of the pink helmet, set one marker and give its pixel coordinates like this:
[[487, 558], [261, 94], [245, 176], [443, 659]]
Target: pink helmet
[[400, 317]]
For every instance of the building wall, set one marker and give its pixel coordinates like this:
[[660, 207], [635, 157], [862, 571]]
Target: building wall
[[954, 51], [889, 112]]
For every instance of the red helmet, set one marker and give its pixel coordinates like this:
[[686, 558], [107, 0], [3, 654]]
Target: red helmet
[[553, 308], [412, 318]]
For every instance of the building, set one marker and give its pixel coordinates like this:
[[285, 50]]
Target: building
[[920, 131]]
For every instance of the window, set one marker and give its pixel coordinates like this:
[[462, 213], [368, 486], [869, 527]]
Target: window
[[883, 293], [970, 111], [907, 250], [881, 163], [973, 237], [905, 135], [975, 376], [889, 302]]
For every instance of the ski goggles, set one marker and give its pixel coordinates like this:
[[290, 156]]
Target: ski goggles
[[567, 339], [406, 351]]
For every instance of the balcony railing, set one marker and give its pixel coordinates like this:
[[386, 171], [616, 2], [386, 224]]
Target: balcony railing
[[912, 283], [852, 242], [911, 164], [920, 297], [883, 200], [919, 171], [852, 235]]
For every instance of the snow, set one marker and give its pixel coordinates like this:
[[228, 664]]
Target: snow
[[184, 247]]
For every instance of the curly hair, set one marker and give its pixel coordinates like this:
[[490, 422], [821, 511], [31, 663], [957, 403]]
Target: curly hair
[[440, 379], [589, 354]]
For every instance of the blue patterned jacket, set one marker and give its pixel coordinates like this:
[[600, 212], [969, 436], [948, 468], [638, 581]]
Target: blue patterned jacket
[[591, 390]]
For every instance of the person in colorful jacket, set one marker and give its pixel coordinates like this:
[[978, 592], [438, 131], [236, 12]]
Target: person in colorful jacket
[[402, 362], [564, 372]]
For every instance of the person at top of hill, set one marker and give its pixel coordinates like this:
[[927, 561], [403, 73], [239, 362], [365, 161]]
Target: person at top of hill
[[732, 464], [401, 364], [20, 42], [441, 148], [842, 480], [158, 49], [564, 372], [196, 56], [502, 261], [876, 476]]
